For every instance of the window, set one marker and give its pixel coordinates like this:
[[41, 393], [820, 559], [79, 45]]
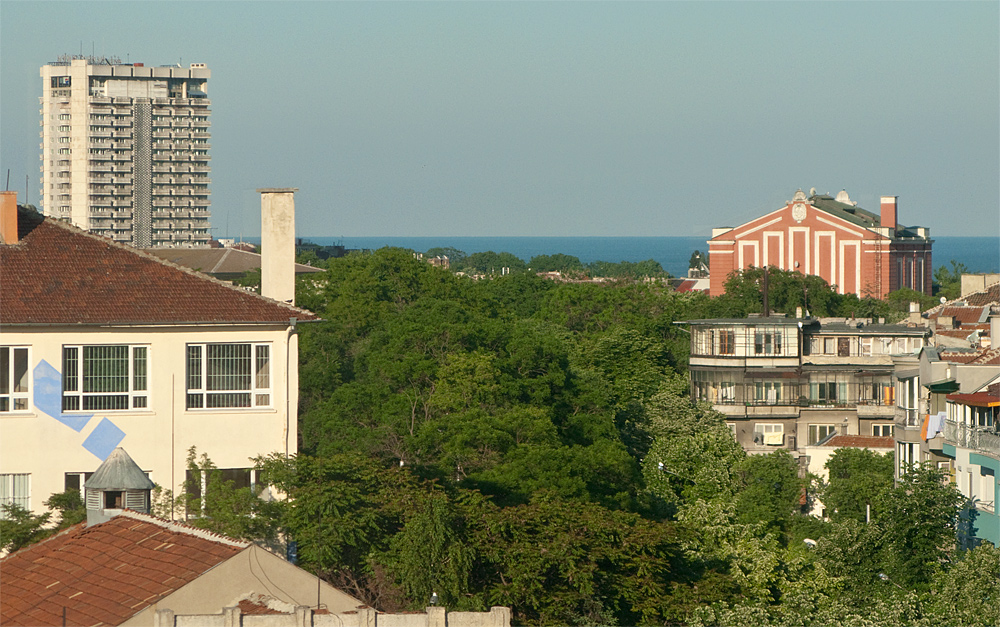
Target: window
[[767, 343], [769, 434], [818, 433], [884, 431], [228, 375], [15, 489], [100, 378], [727, 342], [60, 81], [76, 480], [843, 347], [65, 116], [767, 392], [13, 379], [829, 388]]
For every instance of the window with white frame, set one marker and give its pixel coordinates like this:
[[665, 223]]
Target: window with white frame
[[105, 377], [818, 433], [882, 430], [15, 489], [767, 342], [14, 373], [228, 375]]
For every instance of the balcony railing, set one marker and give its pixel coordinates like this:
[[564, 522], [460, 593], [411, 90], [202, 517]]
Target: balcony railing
[[983, 439]]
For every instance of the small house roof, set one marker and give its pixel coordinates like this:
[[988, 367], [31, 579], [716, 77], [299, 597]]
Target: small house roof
[[119, 472]]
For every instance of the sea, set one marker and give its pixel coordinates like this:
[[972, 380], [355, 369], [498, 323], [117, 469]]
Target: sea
[[978, 254]]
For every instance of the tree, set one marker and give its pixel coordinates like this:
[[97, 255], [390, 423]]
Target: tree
[[555, 263], [490, 262], [70, 506], [770, 489], [968, 593], [19, 527], [919, 518], [857, 479], [949, 281]]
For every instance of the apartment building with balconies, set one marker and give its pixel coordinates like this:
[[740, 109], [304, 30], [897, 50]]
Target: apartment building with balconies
[[787, 383], [125, 149], [949, 415]]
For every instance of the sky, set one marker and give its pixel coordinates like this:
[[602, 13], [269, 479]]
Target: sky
[[555, 118]]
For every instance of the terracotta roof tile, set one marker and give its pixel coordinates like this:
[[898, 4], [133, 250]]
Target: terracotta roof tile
[[962, 314], [113, 578], [59, 274]]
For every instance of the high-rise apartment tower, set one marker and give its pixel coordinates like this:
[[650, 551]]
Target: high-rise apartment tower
[[125, 149]]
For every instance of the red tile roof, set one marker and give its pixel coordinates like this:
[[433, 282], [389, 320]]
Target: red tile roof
[[982, 357], [106, 573], [963, 315], [977, 399], [59, 274], [861, 441]]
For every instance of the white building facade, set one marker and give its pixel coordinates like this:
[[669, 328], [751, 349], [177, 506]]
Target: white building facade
[[125, 150], [103, 346]]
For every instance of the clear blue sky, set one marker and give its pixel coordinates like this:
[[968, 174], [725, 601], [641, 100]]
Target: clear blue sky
[[564, 118]]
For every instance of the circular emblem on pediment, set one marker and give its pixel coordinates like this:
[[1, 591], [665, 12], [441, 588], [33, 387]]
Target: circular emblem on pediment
[[799, 211]]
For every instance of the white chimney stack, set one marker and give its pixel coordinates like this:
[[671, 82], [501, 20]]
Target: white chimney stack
[[277, 241]]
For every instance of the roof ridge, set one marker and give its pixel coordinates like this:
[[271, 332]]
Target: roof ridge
[[151, 257], [178, 527]]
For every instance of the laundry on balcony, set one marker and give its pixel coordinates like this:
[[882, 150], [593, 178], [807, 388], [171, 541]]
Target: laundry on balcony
[[933, 425], [773, 439]]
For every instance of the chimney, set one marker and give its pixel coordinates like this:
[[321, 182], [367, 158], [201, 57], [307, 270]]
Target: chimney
[[995, 331], [8, 217], [888, 219], [277, 241]]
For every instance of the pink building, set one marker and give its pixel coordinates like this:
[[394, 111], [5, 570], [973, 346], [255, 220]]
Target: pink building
[[855, 250]]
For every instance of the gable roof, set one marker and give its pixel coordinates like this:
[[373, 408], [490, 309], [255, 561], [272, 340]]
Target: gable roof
[[223, 263], [106, 573], [59, 274]]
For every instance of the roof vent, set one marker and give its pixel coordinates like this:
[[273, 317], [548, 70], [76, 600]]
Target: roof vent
[[117, 484]]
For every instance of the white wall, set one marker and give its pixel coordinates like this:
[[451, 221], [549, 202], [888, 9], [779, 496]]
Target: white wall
[[158, 437]]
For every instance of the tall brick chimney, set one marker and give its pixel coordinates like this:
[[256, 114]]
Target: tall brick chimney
[[277, 242], [888, 217], [8, 217]]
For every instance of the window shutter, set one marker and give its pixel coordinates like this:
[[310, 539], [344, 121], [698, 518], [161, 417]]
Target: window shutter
[[93, 499], [136, 500]]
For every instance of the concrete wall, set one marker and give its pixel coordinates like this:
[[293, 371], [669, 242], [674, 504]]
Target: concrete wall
[[47, 443], [978, 282], [363, 617]]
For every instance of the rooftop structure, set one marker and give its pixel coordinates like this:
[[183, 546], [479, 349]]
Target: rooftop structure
[[125, 149]]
